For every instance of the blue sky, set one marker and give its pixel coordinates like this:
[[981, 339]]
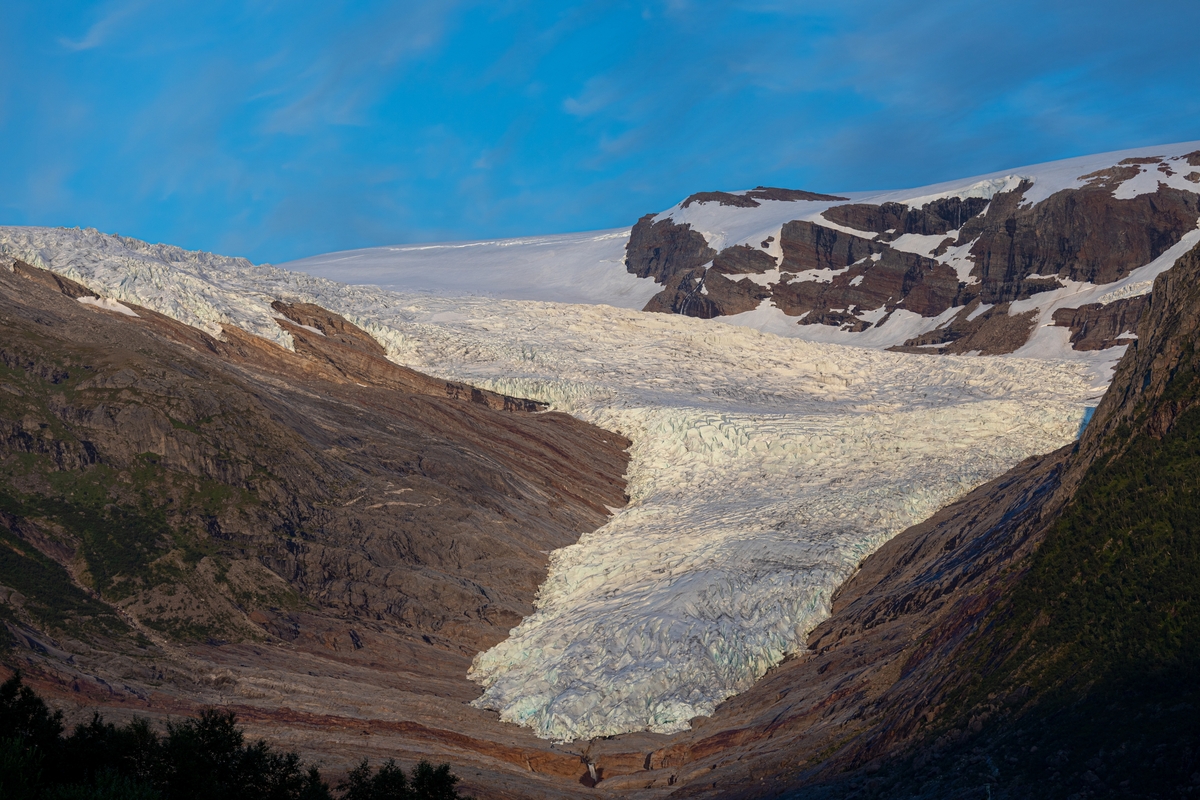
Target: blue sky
[[277, 130]]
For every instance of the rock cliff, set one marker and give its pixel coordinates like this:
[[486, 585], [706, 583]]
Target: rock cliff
[[852, 266]]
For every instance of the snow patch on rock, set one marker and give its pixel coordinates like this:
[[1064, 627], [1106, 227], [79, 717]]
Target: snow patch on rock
[[108, 304]]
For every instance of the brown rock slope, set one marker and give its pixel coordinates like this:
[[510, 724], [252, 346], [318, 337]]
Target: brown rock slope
[[321, 538]]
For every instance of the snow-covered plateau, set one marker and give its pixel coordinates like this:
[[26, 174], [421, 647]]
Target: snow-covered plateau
[[589, 267]]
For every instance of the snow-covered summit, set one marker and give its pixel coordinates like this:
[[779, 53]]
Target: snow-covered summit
[[563, 268]]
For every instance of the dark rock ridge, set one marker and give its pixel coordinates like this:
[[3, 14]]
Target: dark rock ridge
[[869, 276], [708, 293], [896, 219], [1083, 235], [661, 250], [986, 331], [809, 245], [1096, 327], [342, 351], [750, 199], [742, 260], [1016, 251]]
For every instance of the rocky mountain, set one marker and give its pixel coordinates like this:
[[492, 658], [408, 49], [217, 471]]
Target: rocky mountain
[[970, 269], [1049, 260], [169, 498], [683, 556]]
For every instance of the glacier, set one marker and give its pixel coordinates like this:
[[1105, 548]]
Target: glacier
[[768, 459], [763, 469]]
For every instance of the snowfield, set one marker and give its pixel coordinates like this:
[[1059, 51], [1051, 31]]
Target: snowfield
[[589, 268], [566, 268], [764, 469]]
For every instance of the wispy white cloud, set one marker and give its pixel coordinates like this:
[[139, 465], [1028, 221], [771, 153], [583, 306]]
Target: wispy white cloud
[[357, 64], [293, 127], [597, 95], [105, 27]]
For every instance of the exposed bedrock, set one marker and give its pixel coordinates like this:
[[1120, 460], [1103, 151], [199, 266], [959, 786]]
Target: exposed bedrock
[[750, 199], [1085, 234], [866, 276], [371, 491], [1098, 326], [742, 260], [807, 245], [1019, 250], [706, 294], [192, 520], [989, 332], [936, 217], [664, 249], [1156, 381]]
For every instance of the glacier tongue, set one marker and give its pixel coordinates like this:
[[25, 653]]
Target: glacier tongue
[[741, 526], [764, 469]]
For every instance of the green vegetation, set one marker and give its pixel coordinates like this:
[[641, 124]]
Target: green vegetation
[[206, 758], [142, 529], [1114, 592], [425, 782], [49, 594], [118, 544], [1087, 676]]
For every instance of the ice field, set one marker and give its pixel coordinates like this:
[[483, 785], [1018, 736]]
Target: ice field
[[763, 468], [589, 267]]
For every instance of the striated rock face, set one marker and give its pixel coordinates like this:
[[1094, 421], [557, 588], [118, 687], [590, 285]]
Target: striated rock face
[[868, 276], [1098, 326], [459, 498], [742, 260], [664, 249], [1082, 235], [808, 245], [895, 219], [985, 331]]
